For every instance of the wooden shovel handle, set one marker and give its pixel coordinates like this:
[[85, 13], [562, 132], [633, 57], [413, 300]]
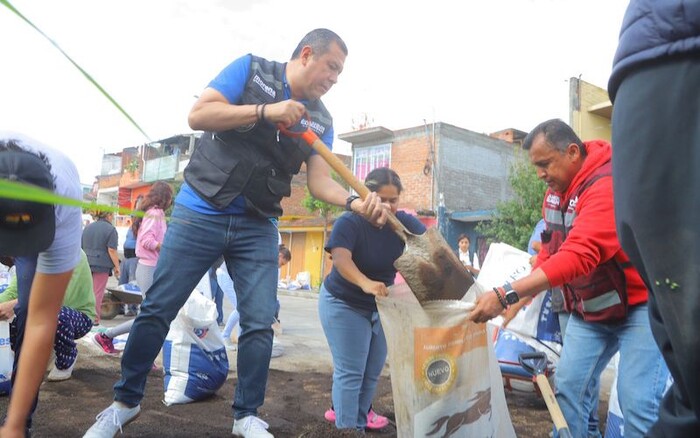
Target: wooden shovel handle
[[553, 406], [312, 139]]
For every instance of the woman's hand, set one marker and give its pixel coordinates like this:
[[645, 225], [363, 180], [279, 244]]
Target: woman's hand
[[376, 288]]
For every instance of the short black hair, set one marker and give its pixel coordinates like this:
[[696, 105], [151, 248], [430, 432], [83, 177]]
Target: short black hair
[[463, 236], [557, 133], [320, 41]]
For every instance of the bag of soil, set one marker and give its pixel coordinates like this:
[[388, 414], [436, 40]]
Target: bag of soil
[[444, 374]]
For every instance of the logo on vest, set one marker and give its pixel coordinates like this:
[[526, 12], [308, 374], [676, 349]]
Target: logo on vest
[[553, 200], [263, 86], [573, 202], [315, 126]]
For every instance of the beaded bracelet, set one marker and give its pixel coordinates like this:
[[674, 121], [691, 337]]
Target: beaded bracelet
[[501, 299]]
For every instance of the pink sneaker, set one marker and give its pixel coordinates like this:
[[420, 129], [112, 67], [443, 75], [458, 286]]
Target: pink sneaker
[[376, 421], [105, 342]]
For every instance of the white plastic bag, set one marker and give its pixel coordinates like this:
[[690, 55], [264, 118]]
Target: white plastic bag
[[444, 376], [194, 356], [536, 320]]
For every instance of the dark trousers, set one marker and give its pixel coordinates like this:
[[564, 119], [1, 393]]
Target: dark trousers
[[656, 171], [26, 268]]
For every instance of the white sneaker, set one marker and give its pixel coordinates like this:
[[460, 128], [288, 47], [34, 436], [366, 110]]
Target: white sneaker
[[111, 420], [52, 361], [277, 348], [251, 427], [57, 375]]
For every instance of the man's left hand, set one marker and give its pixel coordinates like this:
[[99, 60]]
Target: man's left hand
[[372, 209], [487, 307]]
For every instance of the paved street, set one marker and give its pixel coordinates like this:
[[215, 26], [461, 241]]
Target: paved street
[[304, 343]]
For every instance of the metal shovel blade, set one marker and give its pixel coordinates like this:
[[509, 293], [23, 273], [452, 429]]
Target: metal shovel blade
[[535, 364], [430, 267]]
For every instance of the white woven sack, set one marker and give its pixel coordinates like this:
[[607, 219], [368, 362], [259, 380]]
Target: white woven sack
[[444, 375]]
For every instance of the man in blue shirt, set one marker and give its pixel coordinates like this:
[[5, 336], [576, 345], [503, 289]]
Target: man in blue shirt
[[229, 204]]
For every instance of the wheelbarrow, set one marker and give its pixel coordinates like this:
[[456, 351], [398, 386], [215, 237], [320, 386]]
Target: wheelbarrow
[[115, 297]]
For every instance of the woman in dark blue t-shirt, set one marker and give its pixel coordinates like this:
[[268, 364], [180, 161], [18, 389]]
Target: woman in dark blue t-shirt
[[363, 267]]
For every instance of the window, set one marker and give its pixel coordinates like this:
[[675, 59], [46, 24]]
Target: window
[[366, 159]]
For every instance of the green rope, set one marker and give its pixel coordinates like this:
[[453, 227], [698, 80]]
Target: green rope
[[26, 192]]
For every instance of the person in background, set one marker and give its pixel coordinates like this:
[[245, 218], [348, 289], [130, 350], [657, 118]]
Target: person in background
[[130, 241], [471, 263], [284, 256], [228, 205], [45, 242], [74, 319], [150, 235], [226, 284], [655, 87], [535, 242], [217, 293], [363, 267], [603, 292], [128, 265], [99, 242]]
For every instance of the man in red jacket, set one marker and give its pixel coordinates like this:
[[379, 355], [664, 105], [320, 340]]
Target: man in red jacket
[[602, 290]]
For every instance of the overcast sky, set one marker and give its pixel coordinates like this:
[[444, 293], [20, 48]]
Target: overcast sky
[[481, 65]]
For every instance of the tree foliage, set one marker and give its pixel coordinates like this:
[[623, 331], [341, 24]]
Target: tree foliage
[[324, 209], [514, 220]]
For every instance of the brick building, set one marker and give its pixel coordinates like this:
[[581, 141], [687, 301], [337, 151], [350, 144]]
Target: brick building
[[452, 177]]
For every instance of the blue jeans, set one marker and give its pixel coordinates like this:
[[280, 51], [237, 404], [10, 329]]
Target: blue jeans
[[356, 339], [642, 377], [191, 245], [593, 393]]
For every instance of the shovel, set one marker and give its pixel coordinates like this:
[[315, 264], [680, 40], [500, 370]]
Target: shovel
[[535, 364], [428, 264]]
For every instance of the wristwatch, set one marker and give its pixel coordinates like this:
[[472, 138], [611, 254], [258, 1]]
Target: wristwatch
[[511, 295], [348, 202]]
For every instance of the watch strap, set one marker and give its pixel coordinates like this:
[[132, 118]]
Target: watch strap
[[348, 202]]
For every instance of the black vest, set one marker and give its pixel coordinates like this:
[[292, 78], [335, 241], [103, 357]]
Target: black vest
[[255, 161]]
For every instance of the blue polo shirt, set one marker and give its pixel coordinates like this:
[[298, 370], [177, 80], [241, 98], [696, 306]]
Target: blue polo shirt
[[230, 82]]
